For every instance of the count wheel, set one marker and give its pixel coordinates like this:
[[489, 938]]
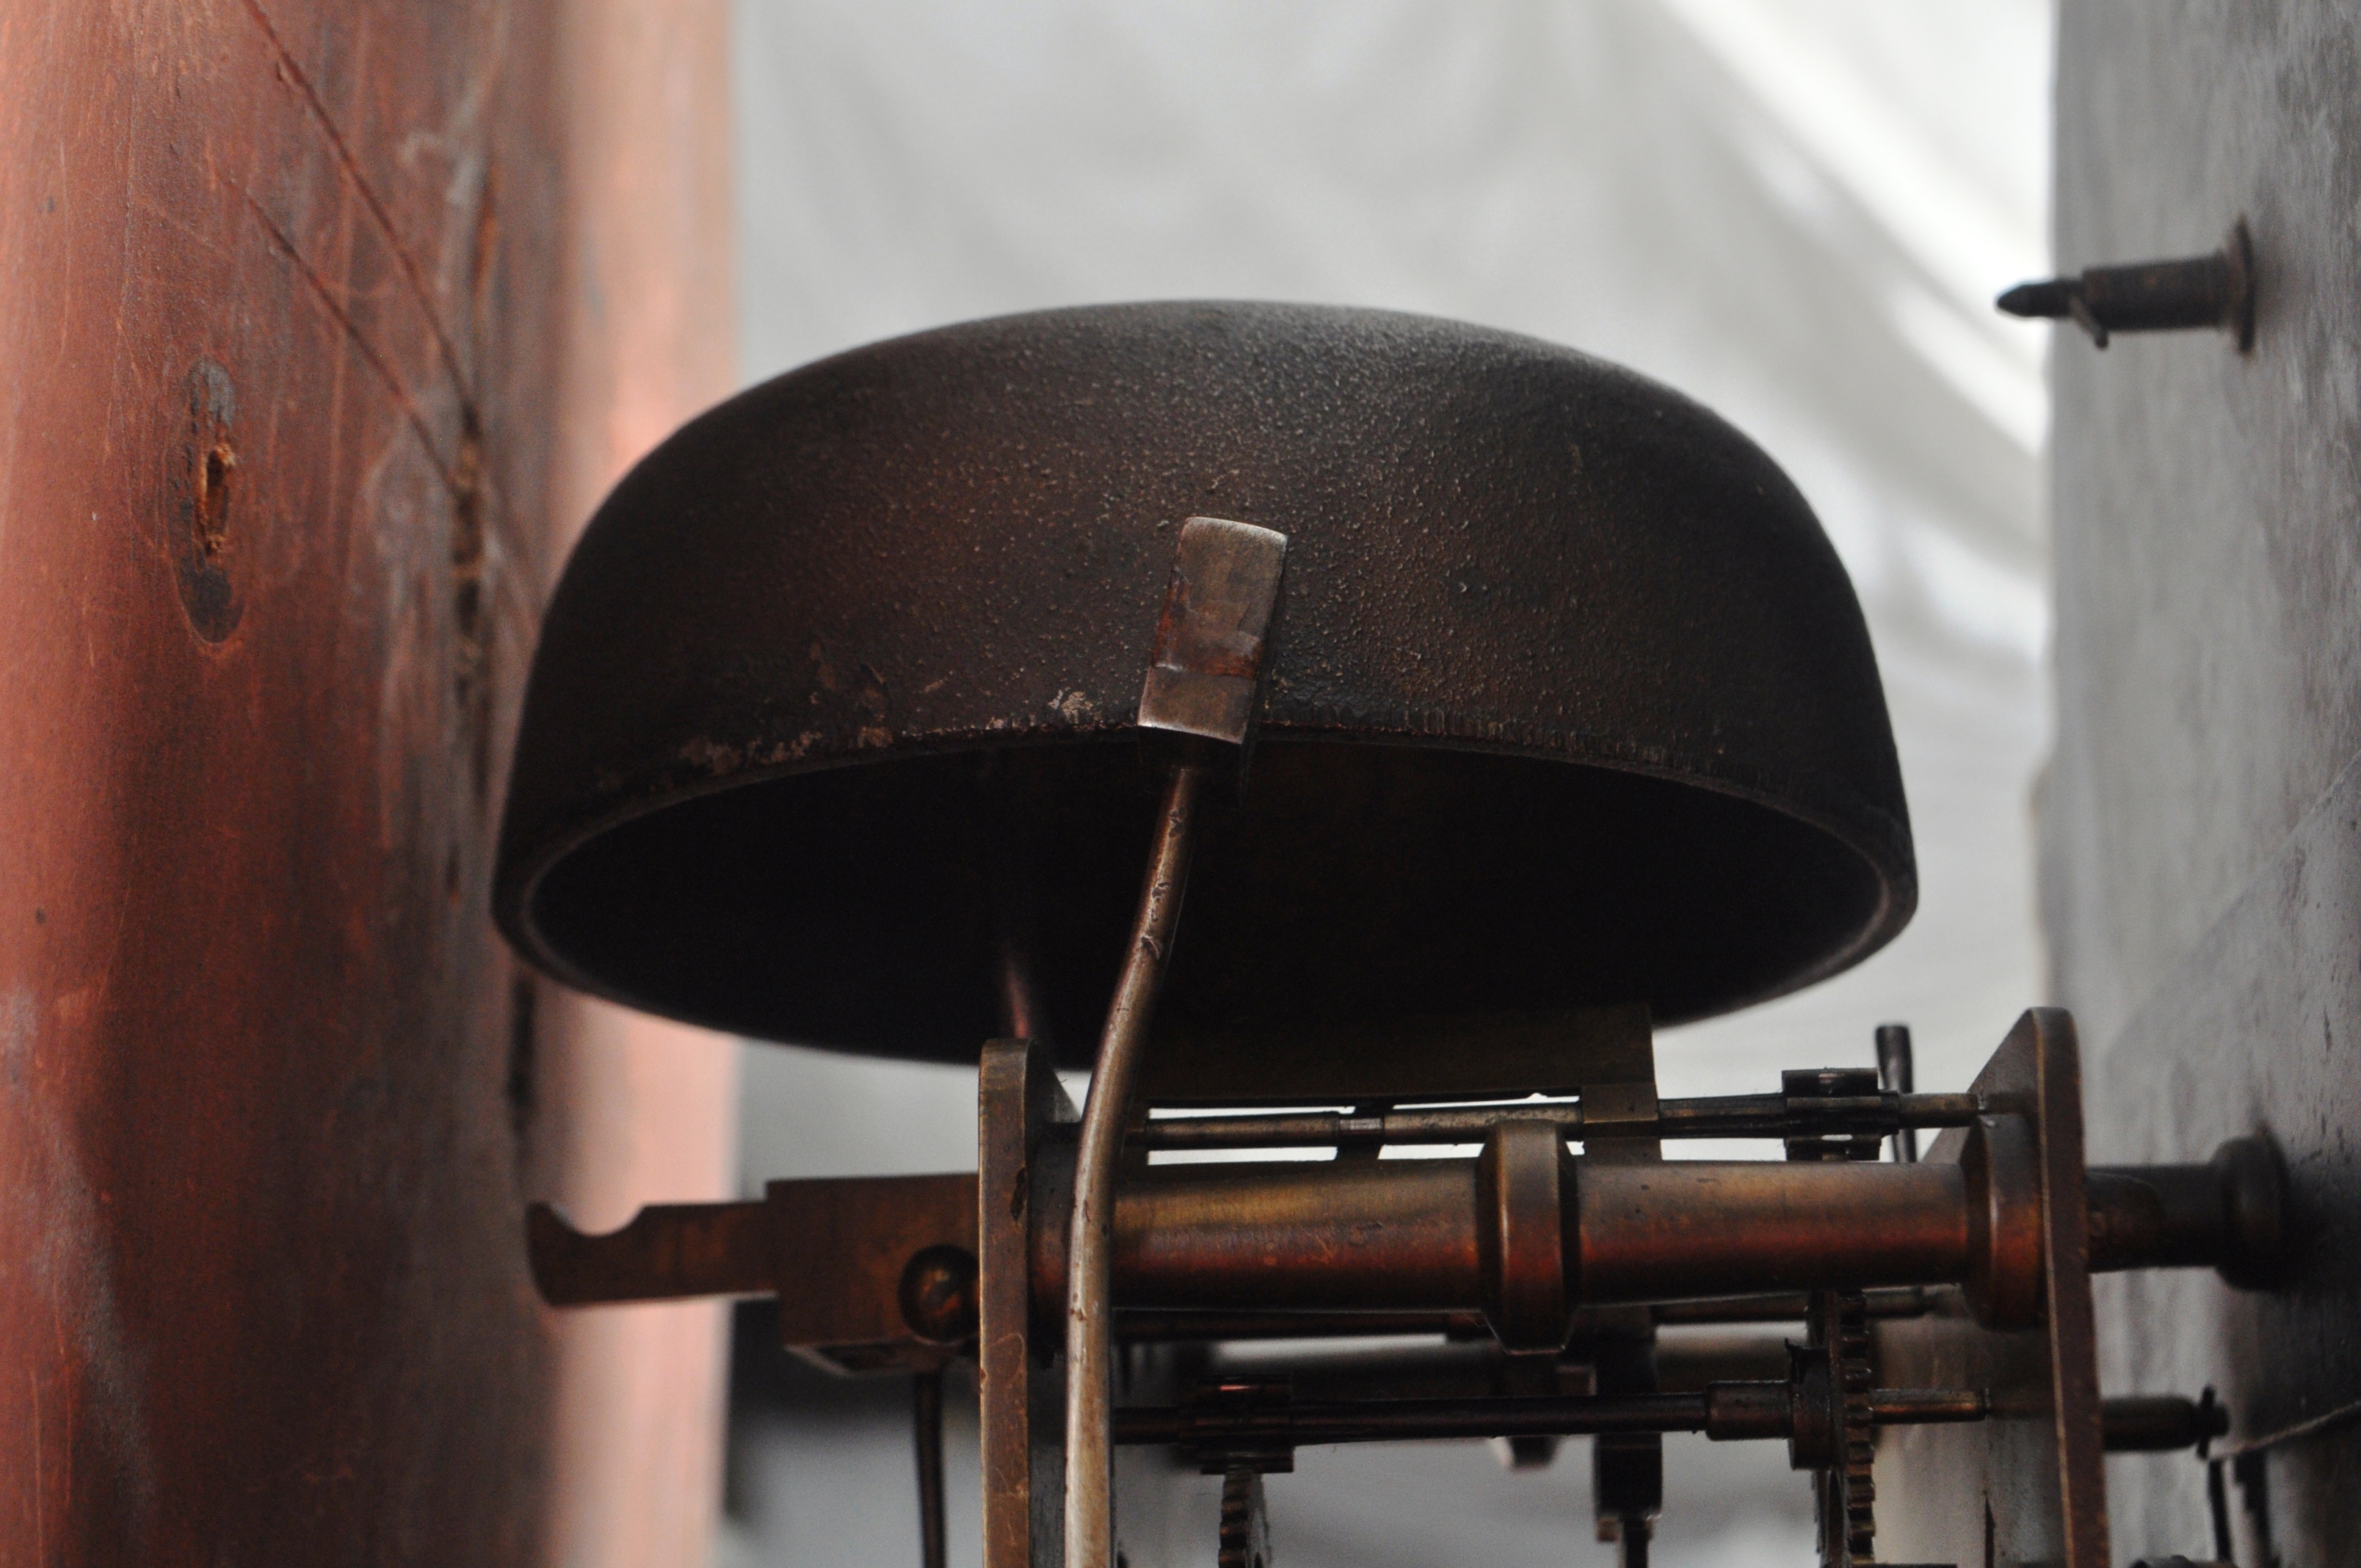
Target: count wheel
[[1839, 1326]]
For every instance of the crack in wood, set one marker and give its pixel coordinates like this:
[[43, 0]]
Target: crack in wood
[[293, 73]]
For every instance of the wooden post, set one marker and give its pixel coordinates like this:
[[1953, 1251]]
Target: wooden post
[[323, 326]]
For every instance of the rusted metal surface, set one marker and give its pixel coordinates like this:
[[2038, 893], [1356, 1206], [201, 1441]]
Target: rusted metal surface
[[283, 300], [1569, 700]]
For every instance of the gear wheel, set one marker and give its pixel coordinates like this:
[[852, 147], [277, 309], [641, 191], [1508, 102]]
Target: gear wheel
[[1246, 1525], [1838, 1327]]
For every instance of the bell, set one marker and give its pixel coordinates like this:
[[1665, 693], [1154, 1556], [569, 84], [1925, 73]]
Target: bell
[[1569, 702], [1373, 726]]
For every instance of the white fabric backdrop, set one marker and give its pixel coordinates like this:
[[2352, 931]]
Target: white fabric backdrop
[[1797, 211]]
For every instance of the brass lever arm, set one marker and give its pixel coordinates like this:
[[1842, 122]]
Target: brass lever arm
[[836, 1253], [668, 1250]]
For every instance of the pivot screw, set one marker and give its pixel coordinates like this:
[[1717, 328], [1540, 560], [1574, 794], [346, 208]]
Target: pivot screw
[[937, 1295]]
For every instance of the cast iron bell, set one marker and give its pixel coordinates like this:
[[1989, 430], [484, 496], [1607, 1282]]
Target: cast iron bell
[[1569, 703]]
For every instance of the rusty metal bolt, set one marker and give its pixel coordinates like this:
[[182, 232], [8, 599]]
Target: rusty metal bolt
[[937, 1294], [2195, 291]]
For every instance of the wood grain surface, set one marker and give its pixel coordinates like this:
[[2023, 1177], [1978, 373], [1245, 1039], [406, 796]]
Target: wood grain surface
[[323, 326]]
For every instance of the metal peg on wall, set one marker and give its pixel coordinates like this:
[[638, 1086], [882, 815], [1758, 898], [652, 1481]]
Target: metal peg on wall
[[2215, 290]]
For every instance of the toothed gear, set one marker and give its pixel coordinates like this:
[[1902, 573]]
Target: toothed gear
[[1848, 1492], [1245, 1527]]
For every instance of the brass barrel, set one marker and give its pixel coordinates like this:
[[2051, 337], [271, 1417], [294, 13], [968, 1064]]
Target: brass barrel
[[1419, 1235], [1688, 1228], [1398, 1234]]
